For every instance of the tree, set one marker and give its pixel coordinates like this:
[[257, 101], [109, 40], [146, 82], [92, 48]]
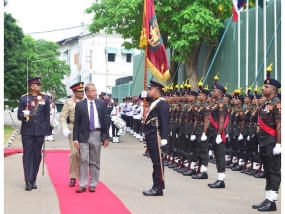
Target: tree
[[184, 26], [23, 54]]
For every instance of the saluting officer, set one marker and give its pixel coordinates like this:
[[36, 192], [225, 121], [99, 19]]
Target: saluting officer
[[34, 112], [269, 136], [68, 110], [156, 130]]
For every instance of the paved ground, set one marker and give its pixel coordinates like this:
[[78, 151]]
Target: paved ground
[[127, 173]]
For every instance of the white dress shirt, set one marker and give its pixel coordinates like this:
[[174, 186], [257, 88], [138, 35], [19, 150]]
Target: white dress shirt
[[96, 118]]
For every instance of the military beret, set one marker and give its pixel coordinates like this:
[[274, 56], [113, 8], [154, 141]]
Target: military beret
[[194, 93], [273, 82], [204, 91], [220, 87], [35, 80], [229, 96], [250, 96], [241, 98], [257, 96]]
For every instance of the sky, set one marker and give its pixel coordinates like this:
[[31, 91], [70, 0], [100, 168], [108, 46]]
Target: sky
[[45, 15]]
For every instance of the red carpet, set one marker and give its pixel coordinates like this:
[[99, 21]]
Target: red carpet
[[8, 152], [102, 201]]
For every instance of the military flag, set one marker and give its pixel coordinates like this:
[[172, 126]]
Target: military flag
[[151, 39]]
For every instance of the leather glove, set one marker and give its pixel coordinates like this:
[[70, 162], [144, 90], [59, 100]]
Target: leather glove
[[187, 136], [219, 139], [176, 135], [227, 135], [248, 138], [277, 149], [65, 132], [240, 137], [163, 142], [203, 137], [144, 94], [193, 137]]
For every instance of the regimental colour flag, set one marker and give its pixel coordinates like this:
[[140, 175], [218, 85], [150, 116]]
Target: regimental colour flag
[[237, 6], [157, 61]]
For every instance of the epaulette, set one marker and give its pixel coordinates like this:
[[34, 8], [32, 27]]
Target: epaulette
[[24, 94]]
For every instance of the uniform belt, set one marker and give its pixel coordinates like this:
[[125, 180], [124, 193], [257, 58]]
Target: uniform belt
[[72, 122], [97, 129]]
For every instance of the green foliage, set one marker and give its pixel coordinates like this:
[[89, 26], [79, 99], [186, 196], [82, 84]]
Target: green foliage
[[23, 54]]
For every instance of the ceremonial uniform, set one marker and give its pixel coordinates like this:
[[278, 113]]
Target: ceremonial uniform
[[68, 111], [34, 128], [115, 114], [156, 129]]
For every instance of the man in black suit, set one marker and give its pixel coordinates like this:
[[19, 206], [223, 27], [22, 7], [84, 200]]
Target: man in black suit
[[156, 130], [34, 112], [89, 130]]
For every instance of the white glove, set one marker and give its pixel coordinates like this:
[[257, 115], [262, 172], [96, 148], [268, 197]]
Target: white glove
[[176, 135], [218, 139], [277, 149], [240, 137], [144, 94], [163, 142], [65, 132], [248, 138], [227, 135], [193, 137], [187, 136], [171, 134], [203, 137], [258, 148]]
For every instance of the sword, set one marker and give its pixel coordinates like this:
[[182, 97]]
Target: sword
[[44, 154], [159, 149]]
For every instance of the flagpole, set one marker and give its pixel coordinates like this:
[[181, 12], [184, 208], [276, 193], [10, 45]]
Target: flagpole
[[264, 38], [239, 49], [256, 37], [145, 65], [275, 40], [246, 48]]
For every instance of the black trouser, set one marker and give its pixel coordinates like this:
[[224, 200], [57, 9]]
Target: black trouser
[[203, 150], [124, 117], [272, 166], [114, 130], [137, 126], [128, 123], [157, 174], [32, 156], [131, 122], [220, 152], [193, 150]]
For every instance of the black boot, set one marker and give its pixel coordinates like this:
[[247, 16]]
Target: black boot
[[153, 192], [34, 185], [245, 170], [189, 172], [28, 186], [256, 206], [260, 175]]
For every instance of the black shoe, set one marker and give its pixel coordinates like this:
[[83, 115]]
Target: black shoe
[[245, 170], [173, 165], [153, 192], [231, 165], [268, 206], [176, 168], [189, 172], [252, 172], [214, 161], [237, 168], [145, 154], [34, 185], [182, 170], [256, 206], [29, 186], [260, 175], [201, 175], [165, 163], [217, 184], [72, 182]]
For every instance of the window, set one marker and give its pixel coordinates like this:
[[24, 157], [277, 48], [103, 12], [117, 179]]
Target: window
[[111, 57], [129, 57], [88, 56]]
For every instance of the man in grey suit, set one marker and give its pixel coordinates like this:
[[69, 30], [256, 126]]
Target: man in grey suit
[[89, 130]]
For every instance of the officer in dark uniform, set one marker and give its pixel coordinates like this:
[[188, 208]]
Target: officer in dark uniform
[[156, 130], [269, 138], [219, 120], [34, 112]]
